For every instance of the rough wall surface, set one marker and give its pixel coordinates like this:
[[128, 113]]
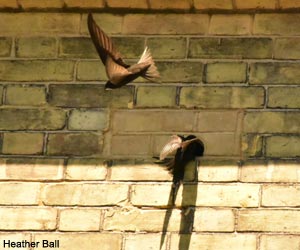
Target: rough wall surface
[[75, 160]]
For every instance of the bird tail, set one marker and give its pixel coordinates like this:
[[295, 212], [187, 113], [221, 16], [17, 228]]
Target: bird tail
[[151, 73]]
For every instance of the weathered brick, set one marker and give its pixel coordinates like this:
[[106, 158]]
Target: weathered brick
[[165, 24], [91, 241], [42, 47], [9, 4], [86, 169], [130, 47], [272, 122], [215, 241], [237, 48], [216, 4], [116, 219], [39, 23], [26, 218], [88, 120], [169, 4], [133, 4], [239, 24], [283, 97], [74, 144], [148, 241], [5, 46], [89, 96], [91, 71], [32, 169], [222, 97], [275, 73], [14, 237], [156, 96], [32, 119], [18, 193], [84, 194], [33, 4], [130, 145], [289, 4], [23, 143], [268, 220], [226, 72], [256, 4], [278, 242], [252, 145], [79, 220], [277, 24], [1, 94], [287, 48], [25, 95], [95, 4], [283, 146], [38, 70]]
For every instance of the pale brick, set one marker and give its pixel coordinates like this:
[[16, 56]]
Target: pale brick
[[95, 4], [252, 145], [222, 97], [91, 71], [23, 143], [77, 47], [34, 4], [82, 144], [9, 4], [277, 24], [283, 97], [165, 24], [287, 48], [133, 4], [279, 242], [270, 171], [256, 4], [88, 120], [84, 194], [5, 46], [134, 220], [91, 241], [226, 72], [215, 241], [32, 119], [26, 218], [216, 4], [289, 4], [268, 220], [148, 241], [86, 169], [18, 193], [272, 122], [38, 70], [130, 144], [79, 220], [40, 47], [156, 96], [15, 237], [283, 146], [275, 73], [169, 4], [25, 95], [239, 24]]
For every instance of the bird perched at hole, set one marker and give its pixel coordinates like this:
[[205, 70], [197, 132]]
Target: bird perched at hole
[[118, 72], [187, 148]]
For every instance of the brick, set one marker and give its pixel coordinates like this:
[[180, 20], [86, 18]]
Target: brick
[[91, 241], [275, 73], [283, 97], [79, 220], [39, 23], [217, 4], [148, 241], [222, 97], [233, 48], [270, 171], [95, 4], [40, 47], [23, 143], [25, 95], [256, 4], [89, 96], [26, 218], [33, 4], [226, 72], [1, 94], [215, 241], [165, 24], [289, 4], [252, 145], [130, 145], [5, 46], [278, 242], [9, 4], [14, 237], [169, 4], [130, 47], [277, 24], [17, 193], [91, 71], [77, 47], [287, 48], [133, 4], [38, 70], [268, 220], [65, 194], [238, 24], [167, 47], [88, 120], [81, 144], [272, 122], [283, 146], [116, 219], [164, 96], [32, 119], [86, 169]]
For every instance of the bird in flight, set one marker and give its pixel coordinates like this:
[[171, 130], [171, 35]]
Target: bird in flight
[[118, 72]]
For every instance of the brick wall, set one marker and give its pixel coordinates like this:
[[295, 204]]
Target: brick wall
[[75, 160]]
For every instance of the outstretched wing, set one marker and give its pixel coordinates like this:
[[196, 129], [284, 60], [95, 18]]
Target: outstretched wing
[[170, 147]]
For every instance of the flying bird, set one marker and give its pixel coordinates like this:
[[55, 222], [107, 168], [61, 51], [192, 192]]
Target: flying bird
[[118, 72], [186, 148]]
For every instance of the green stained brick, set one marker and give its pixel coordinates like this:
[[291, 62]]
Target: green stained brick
[[91, 71], [252, 145], [283, 146], [77, 47], [287, 48], [5, 46], [284, 97], [129, 47]]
